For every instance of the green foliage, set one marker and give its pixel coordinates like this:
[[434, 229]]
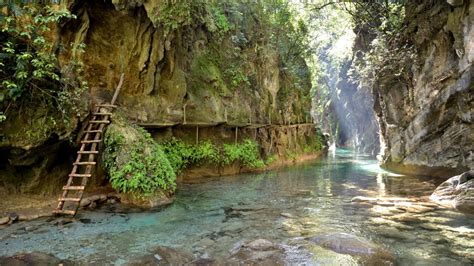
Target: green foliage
[[178, 154], [205, 151], [220, 21], [174, 14], [316, 145], [236, 76], [182, 155], [246, 152], [270, 159], [319, 143], [291, 155], [289, 33], [146, 169], [29, 64]]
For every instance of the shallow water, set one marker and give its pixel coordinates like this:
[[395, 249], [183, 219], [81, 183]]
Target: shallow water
[[208, 219]]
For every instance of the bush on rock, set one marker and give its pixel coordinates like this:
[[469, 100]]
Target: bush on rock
[[135, 163]]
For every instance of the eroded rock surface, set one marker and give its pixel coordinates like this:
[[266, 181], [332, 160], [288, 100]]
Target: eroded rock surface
[[457, 192], [425, 115]]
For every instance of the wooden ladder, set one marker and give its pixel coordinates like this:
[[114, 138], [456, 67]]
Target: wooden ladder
[[86, 160]]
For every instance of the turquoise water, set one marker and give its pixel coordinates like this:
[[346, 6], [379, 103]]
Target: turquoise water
[[209, 218]]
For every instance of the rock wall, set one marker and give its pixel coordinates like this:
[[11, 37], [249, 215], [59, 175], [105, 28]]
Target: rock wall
[[358, 126], [237, 76], [425, 116]]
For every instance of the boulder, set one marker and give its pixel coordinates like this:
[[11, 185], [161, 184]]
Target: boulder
[[156, 200], [85, 202], [457, 192]]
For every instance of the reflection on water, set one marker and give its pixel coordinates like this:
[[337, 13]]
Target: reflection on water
[[284, 206]]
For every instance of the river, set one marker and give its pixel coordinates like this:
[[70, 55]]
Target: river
[[211, 219]]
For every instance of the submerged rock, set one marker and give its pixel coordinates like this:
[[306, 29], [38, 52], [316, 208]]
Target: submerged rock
[[260, 244], [349, 244], [457, 192], [287, 215], [163, 256], [257, 252], [31, 259]]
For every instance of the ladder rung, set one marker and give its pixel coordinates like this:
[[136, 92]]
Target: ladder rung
[[99, 122], [102, 114], [73, 187], [91, 141], [106, 105], [71, 212], [70, 199], [84, 163], [88, 152], [80, 175], [93, 131]]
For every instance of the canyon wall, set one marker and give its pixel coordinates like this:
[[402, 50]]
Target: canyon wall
[[425, 113], [235, 76], [192, 61]]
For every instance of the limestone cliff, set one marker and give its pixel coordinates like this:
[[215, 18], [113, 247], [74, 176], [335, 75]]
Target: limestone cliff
[[217, 61], [425, 113], [237, 77]]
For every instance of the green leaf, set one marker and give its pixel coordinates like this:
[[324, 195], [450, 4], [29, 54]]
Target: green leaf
[[21, 75]]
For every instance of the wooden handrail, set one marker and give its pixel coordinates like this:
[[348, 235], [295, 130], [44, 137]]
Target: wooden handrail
[[243, 125]]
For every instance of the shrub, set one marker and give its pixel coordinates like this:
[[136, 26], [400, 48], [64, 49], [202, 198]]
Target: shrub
[[178, 154], [246, 152], [137, 166], [182, 155]]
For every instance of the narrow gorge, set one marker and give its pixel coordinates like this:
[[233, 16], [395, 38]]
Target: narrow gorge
[[244, 132]]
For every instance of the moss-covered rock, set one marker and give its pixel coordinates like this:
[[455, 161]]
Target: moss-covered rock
[[136, 165]]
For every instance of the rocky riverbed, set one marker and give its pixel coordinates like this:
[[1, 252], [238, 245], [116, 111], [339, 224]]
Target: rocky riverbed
[[342, 209]]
